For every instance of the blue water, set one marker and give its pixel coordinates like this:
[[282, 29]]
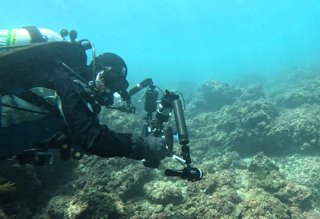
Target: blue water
[[198, 40]]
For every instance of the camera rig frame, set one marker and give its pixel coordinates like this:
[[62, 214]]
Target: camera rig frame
[[158, 114]]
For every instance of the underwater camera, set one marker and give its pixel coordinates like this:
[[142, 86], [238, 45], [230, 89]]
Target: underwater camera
[[156, 126]]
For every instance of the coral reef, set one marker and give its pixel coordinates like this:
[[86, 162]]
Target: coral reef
[[258, 145], [163, 193], [260, 204], [117, 175], [297, 129], [217, 94], [6, 186], [87, 205], [243, 126], [296, 195], [212, 96], [301, 87]]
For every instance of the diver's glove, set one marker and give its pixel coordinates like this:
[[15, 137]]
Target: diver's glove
[[155, 150], [151, 149]]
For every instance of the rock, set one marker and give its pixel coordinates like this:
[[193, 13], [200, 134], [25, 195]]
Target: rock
[[87, 205], [261, 164], [260, 204], [217, 94], [253, 92], [296, 195], [58, 206], [162, 192]]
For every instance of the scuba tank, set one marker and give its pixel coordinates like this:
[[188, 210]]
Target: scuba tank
[[23, 108], [26, 36]]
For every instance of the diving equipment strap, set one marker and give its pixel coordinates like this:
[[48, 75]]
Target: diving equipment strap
[[31, 97], [35, 34]]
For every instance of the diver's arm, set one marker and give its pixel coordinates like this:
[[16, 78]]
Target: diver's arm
[[84, 128]]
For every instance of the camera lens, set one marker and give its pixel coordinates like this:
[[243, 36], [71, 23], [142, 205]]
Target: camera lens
[[195, 174]]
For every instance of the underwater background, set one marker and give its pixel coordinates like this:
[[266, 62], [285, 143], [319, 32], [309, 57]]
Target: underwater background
[[250, 74], [185, 39]]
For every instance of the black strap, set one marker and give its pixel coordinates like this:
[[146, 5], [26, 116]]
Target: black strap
[[35, 34], [36, 100], [23, 109]]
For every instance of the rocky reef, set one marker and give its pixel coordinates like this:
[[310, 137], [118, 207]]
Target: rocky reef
[[257, 143]]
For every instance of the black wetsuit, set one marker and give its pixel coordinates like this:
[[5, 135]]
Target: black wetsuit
[[40, 66]]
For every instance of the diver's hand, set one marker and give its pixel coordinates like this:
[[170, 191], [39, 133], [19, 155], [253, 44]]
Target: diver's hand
[[155, 150]]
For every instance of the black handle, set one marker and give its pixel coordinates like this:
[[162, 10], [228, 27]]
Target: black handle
[[188, 173], [140, 86]]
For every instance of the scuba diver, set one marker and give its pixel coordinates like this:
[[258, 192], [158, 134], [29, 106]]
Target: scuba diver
[[51, 98]]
